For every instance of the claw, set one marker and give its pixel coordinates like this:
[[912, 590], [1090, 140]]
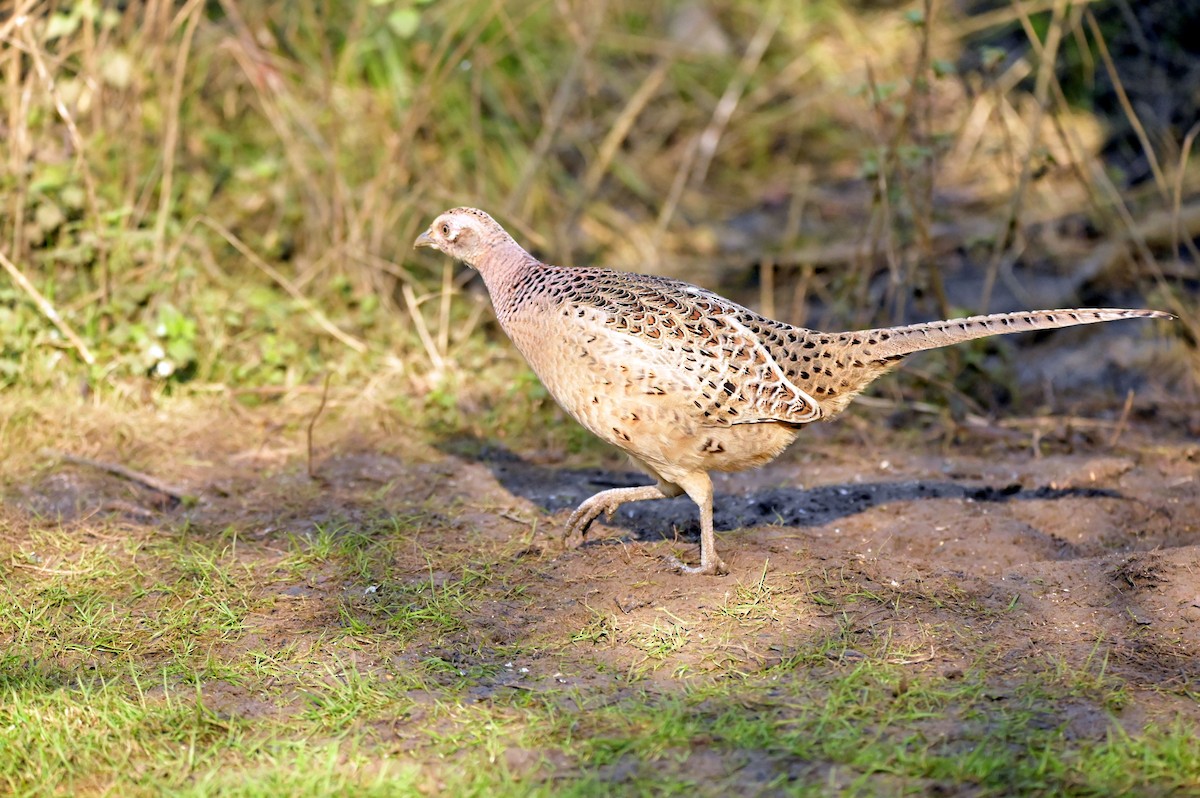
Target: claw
[[607, 502], [581, 520]]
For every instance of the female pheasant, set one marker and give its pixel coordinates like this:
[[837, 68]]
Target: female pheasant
[[683, 380]]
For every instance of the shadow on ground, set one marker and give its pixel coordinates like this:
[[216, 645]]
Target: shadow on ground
[[556, 489]]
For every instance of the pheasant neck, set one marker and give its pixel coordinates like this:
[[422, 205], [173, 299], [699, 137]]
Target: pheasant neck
[[505, 268]]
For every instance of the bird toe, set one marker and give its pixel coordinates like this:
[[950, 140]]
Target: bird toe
[[715, 568]]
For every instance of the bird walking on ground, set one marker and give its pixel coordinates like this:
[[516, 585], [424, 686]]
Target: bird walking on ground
[[683, 380]]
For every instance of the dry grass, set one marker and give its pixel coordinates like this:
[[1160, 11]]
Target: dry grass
[[172, 168]]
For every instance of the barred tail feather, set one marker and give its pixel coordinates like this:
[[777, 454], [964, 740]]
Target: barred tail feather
[[864, 355], [896, 342]]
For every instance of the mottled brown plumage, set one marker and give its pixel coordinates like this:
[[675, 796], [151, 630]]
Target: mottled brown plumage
[[685, 381]]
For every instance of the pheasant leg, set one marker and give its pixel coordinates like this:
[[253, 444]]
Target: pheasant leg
[[699, 488], [608, 501]]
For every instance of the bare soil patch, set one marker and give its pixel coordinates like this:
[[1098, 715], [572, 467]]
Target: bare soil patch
[[975, 560]]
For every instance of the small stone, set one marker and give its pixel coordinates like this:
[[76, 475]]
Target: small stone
[[694, 27]]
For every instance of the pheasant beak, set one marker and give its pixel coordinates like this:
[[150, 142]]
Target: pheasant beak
[[424, 240]]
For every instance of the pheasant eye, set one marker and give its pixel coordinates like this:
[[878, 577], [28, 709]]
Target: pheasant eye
[[445, 229]]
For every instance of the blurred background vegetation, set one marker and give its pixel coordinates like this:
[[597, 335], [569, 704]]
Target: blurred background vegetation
[[222, 195]]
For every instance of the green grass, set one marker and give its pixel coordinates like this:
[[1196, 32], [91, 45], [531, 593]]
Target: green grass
[[65, 733], [151, 664], [61, 735]]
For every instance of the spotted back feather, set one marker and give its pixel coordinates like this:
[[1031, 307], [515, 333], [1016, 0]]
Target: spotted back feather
[[734, 357]]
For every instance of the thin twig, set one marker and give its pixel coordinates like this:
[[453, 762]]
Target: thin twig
[[287, 285], [698, 156], [883, 225], [414, 310], [382, 264], [312, 422], [192, 13], [275, 102], [791, 229], [80, 151], [1159, 179], [154, 483], [21, 16], [675, 193], [443, 339], [564, 96], [47, 309], [1177, 203], [1103, 185], [52, 571], [1122, 421], [442, 62], [728, 103], [1048, 54], [17, 139], [620, 129]]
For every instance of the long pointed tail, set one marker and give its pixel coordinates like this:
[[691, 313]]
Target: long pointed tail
[[863, 355], [899, 341]]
